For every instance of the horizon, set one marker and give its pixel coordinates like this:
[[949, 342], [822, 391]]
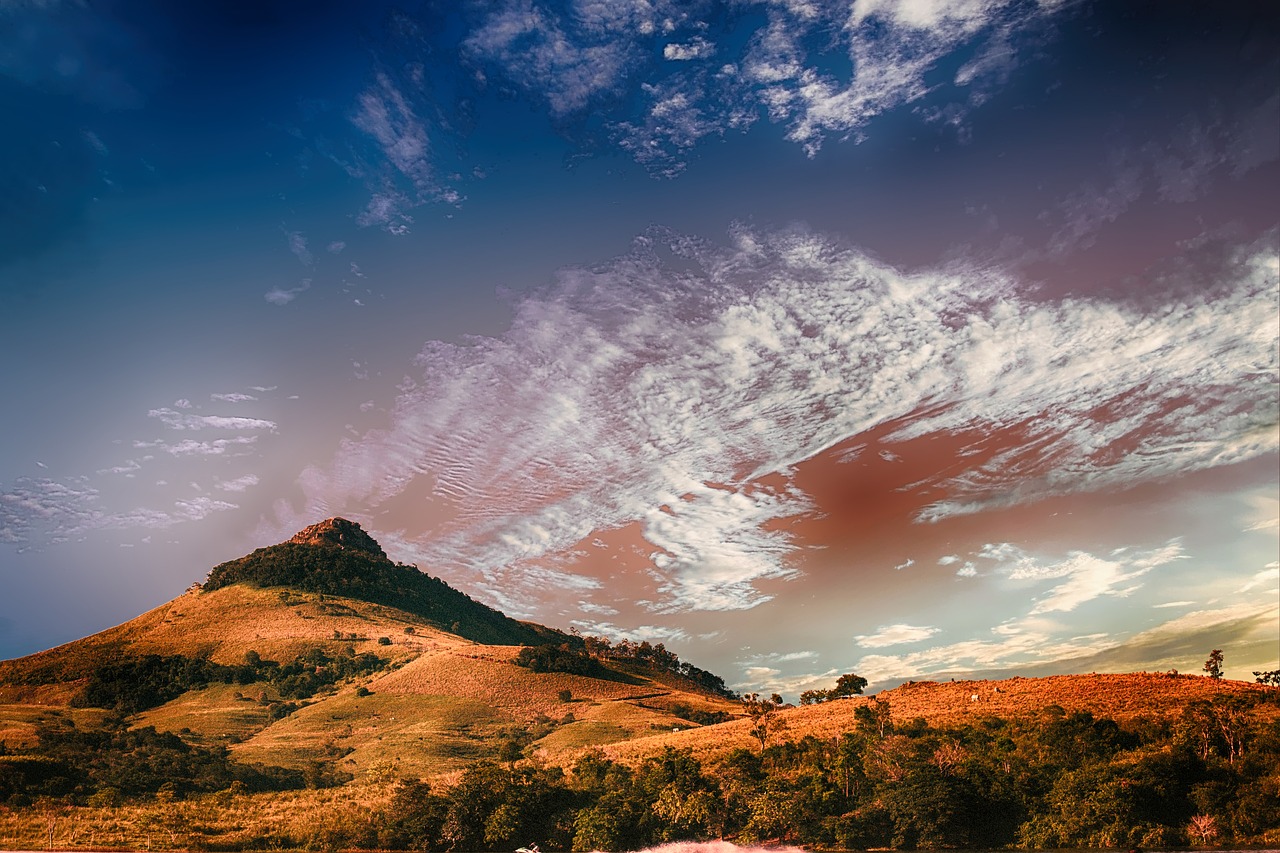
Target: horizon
[[910, 339]]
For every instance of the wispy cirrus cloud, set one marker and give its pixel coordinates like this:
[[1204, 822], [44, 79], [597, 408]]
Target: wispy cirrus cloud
[[185, 421], [192, 447], [895, 635], [679, 399], [710, 80], [45, 511]]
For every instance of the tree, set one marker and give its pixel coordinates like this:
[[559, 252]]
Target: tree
[[1213, 665], [848, 684], [1271, 676], [761, 713]]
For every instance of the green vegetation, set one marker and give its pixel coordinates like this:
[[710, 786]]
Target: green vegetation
[[1060, 780], [846, 685], [113, 763], [332, 570], [136, 684]]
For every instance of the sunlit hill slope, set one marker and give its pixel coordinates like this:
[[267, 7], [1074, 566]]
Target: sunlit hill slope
[[379, 667]]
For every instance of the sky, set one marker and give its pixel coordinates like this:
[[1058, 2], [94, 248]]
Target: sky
[[913, 338]]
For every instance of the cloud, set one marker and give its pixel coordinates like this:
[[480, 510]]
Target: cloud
[[239, 484], [571, 59], [713, 79], [281, 296], [698, 48], [1089, 577], [679, 401], [298, 245], [182, 421], [191, 447], [232, 398], [652, 633], [895, 635], [1267, 579], [384, 113], [49, 511]]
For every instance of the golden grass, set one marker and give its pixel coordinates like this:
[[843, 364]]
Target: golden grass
[[1118, 696], [309, 819], [219, 714], [18, 722], [381, 734]]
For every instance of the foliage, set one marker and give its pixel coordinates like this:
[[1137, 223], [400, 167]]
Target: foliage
[[117, 761], [1271, 677], [133, 685], [848, 684], [1054, 780], [653, 656], [1213, 666], [560, 658], [331, 570]]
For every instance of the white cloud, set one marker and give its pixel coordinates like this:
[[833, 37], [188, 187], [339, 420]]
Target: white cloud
[[948, 560], [191, 447], [895, 635], [1267, 579], [698, 48], [298, 245], [49, 511], [713, 81], [633, 387], [239, 484], [652, 633], [384, 113], [232, 398], [180, 421], [283, 296], [1089, 577]]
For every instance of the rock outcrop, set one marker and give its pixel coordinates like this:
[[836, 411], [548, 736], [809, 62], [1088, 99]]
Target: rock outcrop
[[340, 532]]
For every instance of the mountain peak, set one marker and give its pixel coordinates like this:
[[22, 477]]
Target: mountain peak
[[340, 532]]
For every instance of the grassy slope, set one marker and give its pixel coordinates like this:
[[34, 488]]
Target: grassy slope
[[442, 702], [1119, 696]]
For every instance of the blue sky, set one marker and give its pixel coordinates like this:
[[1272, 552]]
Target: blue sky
[[910, 337]]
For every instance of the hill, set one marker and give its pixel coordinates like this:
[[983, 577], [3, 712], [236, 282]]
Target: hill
[[1117, 696], [323, 651], [316, 695]]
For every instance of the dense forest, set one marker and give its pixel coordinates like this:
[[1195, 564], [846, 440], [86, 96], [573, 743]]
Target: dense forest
[[1058, 779]]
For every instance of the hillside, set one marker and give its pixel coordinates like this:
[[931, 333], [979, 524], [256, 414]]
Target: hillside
[[310, 695], [1117, 696], [321, 650]]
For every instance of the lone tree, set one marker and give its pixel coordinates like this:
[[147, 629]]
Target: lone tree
[[1213, 665], [761, 713], [847, 685]]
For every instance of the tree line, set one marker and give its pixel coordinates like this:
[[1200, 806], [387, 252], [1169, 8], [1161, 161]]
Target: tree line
[[1208, 776]]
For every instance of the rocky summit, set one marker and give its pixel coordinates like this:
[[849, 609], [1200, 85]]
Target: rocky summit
[[340, 532]]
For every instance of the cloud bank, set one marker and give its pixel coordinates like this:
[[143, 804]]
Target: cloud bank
[[676, 388]]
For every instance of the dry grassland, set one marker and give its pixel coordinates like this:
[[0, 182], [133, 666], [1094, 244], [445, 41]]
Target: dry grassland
[[292, 820], [1118, 696]]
